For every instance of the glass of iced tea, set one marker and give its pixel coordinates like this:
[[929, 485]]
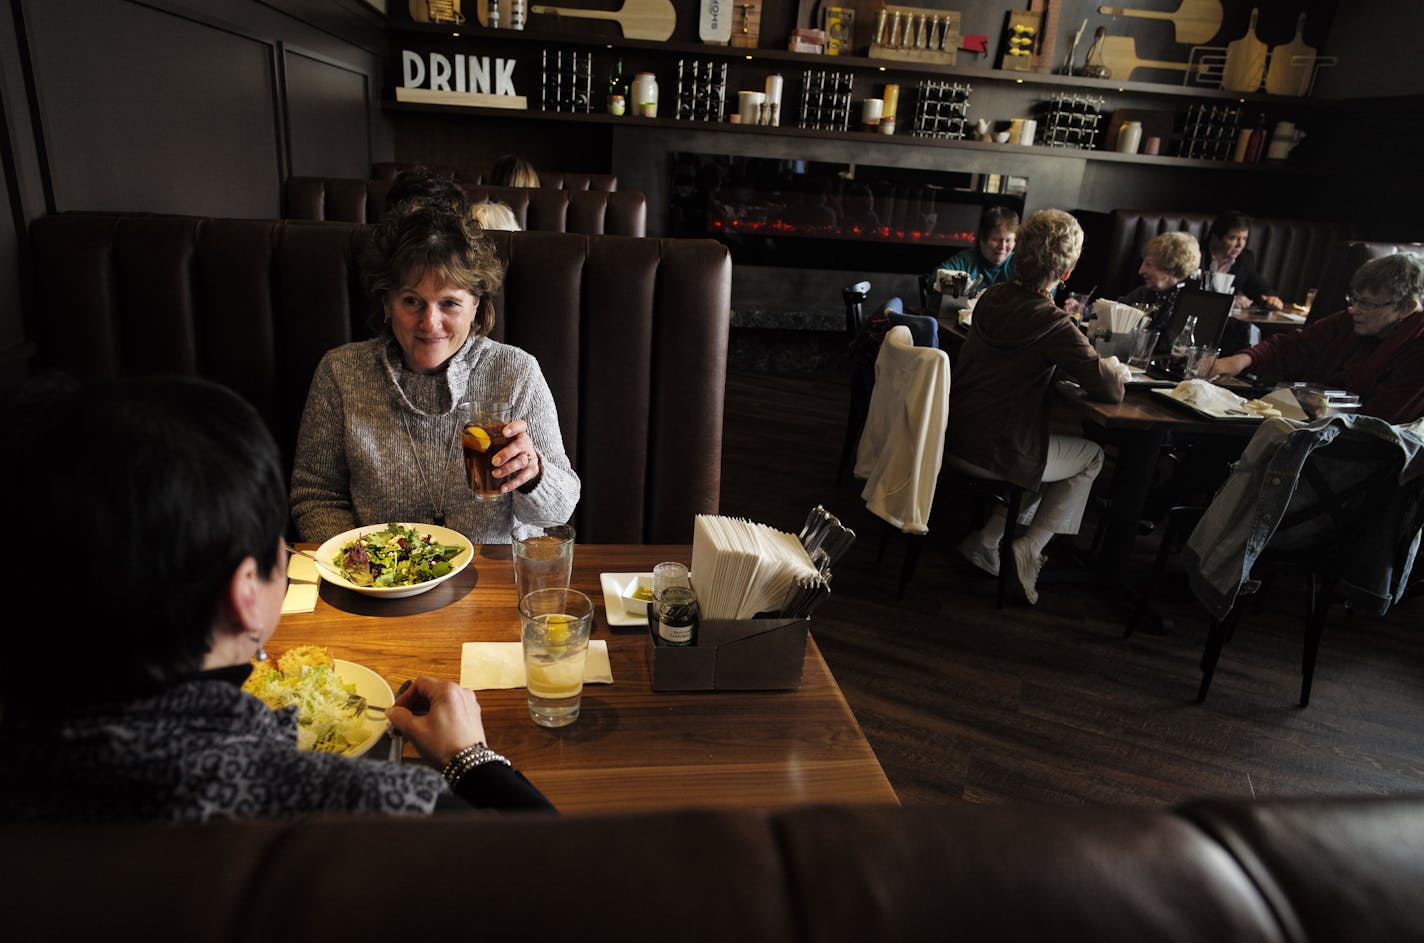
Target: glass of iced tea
[[481, 438]]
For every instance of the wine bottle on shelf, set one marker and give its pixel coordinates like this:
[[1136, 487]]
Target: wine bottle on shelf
[[616, 85]]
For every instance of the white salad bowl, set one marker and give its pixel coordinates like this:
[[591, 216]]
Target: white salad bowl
[[327, 552]]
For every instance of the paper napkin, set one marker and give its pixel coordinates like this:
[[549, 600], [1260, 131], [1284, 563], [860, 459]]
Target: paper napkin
[[303, 585], [486, 666]]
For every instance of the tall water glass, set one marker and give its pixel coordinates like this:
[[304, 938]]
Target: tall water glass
[[554, 627], [1143, 343], [543, 555]]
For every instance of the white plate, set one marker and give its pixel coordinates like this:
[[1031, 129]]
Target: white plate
[[443, 535], [1242, 416], [613, 586], [377, 693]]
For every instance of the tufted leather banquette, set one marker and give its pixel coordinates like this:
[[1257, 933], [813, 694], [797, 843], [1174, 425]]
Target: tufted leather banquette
[[1289, 253], [631, 335], [550, 179], [588, 212], [1211, 872]]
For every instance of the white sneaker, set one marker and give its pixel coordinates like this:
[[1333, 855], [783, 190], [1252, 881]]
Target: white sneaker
[[1027, 564], [983, 558]]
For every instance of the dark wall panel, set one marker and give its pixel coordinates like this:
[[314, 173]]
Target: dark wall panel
[[328, 111], [155, 130]]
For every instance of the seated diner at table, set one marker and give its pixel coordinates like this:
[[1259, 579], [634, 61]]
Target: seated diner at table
[[1225, 251], [379, 437], [1374, 348], [990, 261], [1171, 261], [998, 405], [158, 511]]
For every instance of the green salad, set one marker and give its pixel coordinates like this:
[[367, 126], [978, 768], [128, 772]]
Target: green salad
[[396, 556]]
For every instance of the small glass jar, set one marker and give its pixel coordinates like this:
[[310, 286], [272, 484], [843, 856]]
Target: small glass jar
[[617, 105], [645, 95]]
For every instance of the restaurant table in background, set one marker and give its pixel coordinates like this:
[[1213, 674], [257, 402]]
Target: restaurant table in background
[[1269, 322], [631, 748], [1138, 427]]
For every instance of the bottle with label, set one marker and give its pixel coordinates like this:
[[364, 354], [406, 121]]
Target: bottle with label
[[1181, 345], [674, 605], [493, 20], [1257, 140], [617, 87]]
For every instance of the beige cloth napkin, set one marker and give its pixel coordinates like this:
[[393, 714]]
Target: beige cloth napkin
[[485, 666], [302, 591]]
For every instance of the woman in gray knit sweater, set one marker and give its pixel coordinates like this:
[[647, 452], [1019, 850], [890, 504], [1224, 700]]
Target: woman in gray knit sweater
[[379, 438]]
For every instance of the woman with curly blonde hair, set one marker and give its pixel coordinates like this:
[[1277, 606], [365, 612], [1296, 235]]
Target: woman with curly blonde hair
[[1170, 262], [379, 438], [998, 403]]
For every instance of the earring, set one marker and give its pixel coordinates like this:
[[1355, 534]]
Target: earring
[[261, 654]]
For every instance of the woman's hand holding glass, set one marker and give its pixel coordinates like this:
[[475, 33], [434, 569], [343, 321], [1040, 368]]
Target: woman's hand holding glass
[[517, 463]]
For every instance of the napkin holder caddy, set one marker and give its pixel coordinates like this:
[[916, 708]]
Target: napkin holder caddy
[[761, 654]]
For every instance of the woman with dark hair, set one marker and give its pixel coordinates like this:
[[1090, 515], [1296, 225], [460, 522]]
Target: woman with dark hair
[[511, 170], [990, 260], [379, 438], [998, 409], [171, 490], [1225, 251]]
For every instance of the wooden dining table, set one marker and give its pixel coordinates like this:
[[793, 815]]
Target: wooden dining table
[[632, 748], [1138, 427]]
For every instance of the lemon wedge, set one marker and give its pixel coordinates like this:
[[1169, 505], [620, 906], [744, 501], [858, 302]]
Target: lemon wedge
[[480, 438]]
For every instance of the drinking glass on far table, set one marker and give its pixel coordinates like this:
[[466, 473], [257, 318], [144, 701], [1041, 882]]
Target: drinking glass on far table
[[554, 627], [1201, 362], [1144, 342], [543, 555], [481, 438]]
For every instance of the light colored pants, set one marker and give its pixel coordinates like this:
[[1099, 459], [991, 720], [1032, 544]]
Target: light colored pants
[[1073, 465]]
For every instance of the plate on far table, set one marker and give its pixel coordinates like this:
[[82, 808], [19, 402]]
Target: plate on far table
[[1232, 416], [441, 535], [614, 585], [377, 693]]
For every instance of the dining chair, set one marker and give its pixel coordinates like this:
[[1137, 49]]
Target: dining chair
[[862, 372], [954, 482], [1315, 536]]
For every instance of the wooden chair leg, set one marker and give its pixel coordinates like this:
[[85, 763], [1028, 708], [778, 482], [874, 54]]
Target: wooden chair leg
[[1314, 631], [1008, 570], [1221, 630], [913, 544]]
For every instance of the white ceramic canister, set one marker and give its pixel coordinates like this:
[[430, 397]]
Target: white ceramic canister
[[645, 94], [1129, 137]]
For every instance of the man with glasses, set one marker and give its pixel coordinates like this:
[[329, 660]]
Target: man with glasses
[[1374, 348]]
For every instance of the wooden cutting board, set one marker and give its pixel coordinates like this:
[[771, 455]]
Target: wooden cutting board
[[1120, 56], [640, 19], [1193, 22], [1285, 77], [1245, 61]]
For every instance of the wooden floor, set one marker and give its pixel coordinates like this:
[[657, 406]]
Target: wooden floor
[[1051, 703]]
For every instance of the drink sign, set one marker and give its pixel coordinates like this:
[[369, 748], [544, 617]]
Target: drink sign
[[459, 80]]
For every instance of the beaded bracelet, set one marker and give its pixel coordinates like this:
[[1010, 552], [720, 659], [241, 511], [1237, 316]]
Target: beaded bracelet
[[476, 754]]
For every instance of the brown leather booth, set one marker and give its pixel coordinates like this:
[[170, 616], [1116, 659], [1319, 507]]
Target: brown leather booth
[[1341, 263], [631, 335], [588, 212], [1215, 872], [1289, 252], [548, 179]]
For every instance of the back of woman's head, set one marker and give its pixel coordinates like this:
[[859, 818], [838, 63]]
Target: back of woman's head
[[421, 186], [136, 501], [405, 247], [496, 216], [511, 170], [1048, 245]]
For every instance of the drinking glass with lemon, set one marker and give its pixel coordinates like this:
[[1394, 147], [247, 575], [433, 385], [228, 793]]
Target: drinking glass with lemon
[[481, 438], [555, 625]]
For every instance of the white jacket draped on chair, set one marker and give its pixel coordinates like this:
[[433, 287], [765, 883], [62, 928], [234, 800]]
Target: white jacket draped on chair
[[903, 442]]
